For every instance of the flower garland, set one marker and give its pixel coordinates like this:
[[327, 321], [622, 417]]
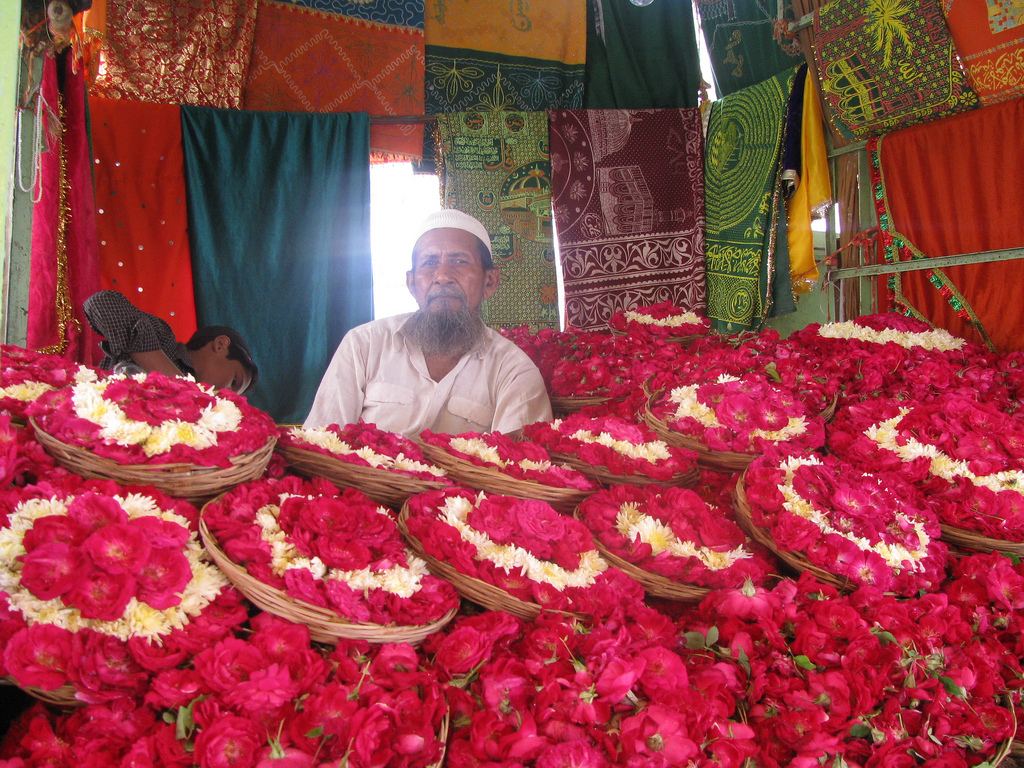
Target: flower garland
[[365, 445], [25, 375], [937, 339], [870, 529], [154, 419], [624, 447], [661, 319], [521, 546], [118, 562], [330, 548], [522, 460], [746, 415], [674, 533]]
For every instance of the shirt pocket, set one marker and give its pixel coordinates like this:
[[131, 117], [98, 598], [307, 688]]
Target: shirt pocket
[[383, 392], [480, 414]]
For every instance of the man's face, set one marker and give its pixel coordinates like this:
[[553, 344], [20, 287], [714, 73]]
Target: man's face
[[215, 368], [447, 273]]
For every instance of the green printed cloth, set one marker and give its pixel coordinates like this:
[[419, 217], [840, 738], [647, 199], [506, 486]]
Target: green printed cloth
[[496, 167], [743, 202]]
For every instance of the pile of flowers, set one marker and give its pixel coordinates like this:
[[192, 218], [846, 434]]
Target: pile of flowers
[[867, 679], [554, 693], [333, 549], [890, 328], [153, 419], [674, 533], [624, 448], [968, 456], [260, 698], [22, 459], [521, 460], [92, 573], [25, 375], [661, 320], [365, 445], [523, 547], [866, 528], [745, 415]]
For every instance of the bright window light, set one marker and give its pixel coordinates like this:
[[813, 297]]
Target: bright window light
[[399, 201]]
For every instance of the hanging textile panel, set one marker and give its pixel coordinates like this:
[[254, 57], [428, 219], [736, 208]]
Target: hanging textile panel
[[63, 269], [142, 219], [641, 56], [279, 225], [176, 53], [628, 200], [399, 13], [743, 191], [744, 43], [496, 167], [498, 55], [989, 36], [938, 194], [310, 61], [885, 65]]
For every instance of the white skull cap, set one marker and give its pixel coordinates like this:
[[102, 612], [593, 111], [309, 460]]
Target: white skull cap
[[453, 219]]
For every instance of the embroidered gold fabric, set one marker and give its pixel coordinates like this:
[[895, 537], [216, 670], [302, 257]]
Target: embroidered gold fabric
[[176, 51]]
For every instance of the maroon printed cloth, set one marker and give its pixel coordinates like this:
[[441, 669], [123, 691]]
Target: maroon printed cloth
[[628, 203]]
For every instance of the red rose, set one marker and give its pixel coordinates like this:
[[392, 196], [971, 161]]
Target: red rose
[[51, 570], [462, 650], [106, 670], [118, 548], [94, 510], [41, 656], [229, 742], [163, 578], [101, 595], [54, 529]]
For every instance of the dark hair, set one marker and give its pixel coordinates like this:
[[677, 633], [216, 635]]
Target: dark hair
[[485, 254], [237, 349]]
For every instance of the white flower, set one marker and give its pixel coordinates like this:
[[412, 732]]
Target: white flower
[[937, 339], [634, 524]]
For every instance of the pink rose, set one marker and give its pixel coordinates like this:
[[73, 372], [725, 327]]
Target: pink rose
[[51, 570], [118, 548], [229, 742], [101, 595], [93, 511], [41, 656]]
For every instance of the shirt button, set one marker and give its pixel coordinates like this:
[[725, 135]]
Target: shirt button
[[437, 394]]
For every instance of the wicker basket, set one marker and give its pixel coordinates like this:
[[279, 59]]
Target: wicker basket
[[654, 583], [492, 480], [325, 626], [191, 482], [683, 340], [761, 536], [603, 475], [976, 542], [381, 485], [471, 588], [563, 406], [63, 697]]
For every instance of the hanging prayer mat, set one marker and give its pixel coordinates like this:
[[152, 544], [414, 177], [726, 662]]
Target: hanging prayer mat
[[886, 65], [142, 220], [399, 13], [496, 56], [743, 44], [176, 53], [989, 36], [305, 60], [496, 167], [628, 199], [936, 192], [743, 193]]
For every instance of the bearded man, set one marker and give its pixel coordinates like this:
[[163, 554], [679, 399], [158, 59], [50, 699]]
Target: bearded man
[[440, 368]]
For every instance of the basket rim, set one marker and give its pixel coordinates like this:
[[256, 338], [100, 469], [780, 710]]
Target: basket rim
[[343, 467], [328, 623], [601, 473], [967, 538]]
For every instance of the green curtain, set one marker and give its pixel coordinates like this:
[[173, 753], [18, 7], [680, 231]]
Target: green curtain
[[641, 57], [279, 227]]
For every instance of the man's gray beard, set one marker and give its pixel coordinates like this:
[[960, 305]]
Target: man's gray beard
[[447, 332]]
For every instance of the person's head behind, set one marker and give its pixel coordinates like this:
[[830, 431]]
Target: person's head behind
[[452, 275], [222, 359]]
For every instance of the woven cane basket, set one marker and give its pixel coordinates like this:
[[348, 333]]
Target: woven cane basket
[[792, 559], [63, 697], [563, 406], [978, 543], [492, 480], [604, 476], [325, 626], [654, 583], [381, 485], [471, 588], [192, 482]]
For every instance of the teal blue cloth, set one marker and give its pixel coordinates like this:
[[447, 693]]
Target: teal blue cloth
[[279, 227]]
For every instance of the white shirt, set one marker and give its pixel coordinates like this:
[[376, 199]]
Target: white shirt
[[379, 375]]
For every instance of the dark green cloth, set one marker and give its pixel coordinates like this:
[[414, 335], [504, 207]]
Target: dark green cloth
[[279, 227], [641, 57], [740, 35], [742, 170]]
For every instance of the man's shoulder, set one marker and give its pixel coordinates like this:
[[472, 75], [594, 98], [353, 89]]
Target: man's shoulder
[[507, 350]]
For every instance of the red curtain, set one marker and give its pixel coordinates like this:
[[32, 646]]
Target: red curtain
[[953, 187]]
